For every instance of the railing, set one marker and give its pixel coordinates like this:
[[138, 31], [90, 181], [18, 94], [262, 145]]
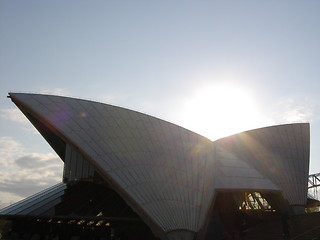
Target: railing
[[314, 185]]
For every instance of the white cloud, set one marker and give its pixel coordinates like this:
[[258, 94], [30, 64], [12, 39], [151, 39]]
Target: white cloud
[[36, 160], [116, 99], [8, 199], [13, 114], [56, 91], [23, 173], [9, 149], [294, 110]]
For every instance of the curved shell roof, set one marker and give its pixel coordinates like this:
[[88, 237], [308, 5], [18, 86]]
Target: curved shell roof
[[169, 174], [280, 153]]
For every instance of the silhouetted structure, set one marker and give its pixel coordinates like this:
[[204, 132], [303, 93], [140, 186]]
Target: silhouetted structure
[[128, 175]]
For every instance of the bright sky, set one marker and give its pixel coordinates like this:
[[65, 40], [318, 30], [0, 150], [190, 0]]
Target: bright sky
[[214, 67]]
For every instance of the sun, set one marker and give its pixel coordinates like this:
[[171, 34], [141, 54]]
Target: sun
[[217, 111]]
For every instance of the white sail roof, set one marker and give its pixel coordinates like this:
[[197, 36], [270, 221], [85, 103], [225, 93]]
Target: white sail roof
[[280, 153]]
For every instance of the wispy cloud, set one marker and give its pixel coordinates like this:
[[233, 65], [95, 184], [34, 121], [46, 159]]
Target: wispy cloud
[[8, 198], [56, 91], [23, 173], [36, 161], [117, 99], [8, 149], [295, 109], [13, 114]]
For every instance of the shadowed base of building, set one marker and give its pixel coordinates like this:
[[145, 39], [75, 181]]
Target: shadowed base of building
[[77, 210]]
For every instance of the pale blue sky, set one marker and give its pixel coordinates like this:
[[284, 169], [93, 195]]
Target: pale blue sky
[[204, 65]]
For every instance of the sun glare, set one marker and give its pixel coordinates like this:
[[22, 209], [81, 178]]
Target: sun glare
[[219, 111]]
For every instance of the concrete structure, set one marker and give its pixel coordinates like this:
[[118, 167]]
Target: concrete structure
[[174, 179]]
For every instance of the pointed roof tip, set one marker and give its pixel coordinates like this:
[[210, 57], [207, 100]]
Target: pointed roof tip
[[10, 94]]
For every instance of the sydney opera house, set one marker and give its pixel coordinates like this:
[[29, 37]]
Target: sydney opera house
[[128, 175]]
